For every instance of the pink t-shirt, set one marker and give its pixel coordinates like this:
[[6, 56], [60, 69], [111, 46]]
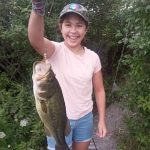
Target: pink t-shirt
[[74, 74]]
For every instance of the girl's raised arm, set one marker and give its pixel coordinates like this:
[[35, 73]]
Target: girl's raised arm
[[36, 29]]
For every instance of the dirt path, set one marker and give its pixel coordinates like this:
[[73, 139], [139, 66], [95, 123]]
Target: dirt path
[[114, 119]]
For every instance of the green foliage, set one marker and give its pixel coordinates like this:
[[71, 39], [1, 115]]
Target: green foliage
[[137, 87], [16, 55], [19, 123], [18, 117]]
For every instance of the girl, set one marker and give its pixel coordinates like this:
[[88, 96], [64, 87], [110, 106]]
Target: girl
[[77, 69]]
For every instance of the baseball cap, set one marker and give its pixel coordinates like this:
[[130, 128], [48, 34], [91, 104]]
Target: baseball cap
[[77, 9]]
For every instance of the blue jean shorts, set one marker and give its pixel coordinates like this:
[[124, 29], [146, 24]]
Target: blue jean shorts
[[81, 131]]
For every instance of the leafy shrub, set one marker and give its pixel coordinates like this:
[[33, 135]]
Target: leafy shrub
[[137, 85], [18, 118]]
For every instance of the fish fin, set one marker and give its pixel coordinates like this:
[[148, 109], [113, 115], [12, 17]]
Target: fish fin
[[43, 106], [47, 131], [68, 128]]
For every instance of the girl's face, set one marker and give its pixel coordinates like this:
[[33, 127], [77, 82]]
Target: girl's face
[[73, 29]]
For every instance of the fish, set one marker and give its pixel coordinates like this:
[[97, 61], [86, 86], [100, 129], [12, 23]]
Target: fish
[[49, 102]]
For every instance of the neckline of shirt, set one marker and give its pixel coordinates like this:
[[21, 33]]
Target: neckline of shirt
[[75, 54]]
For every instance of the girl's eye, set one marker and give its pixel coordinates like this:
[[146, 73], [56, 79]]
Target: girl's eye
[[67, 24], [80, 25]]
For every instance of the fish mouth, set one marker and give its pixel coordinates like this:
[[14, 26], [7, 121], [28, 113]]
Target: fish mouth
[[41, 70]]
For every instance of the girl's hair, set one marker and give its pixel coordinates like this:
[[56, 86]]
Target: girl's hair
[[61, 20]]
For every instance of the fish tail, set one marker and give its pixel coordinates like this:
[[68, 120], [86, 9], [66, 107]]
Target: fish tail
[[62, 147]]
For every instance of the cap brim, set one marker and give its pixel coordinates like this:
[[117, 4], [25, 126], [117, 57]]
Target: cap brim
[[71, 11]]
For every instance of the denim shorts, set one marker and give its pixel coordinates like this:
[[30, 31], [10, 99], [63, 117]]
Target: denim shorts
[[81, 131]]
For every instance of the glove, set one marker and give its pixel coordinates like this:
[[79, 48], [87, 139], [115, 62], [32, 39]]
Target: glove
[[39, 7]]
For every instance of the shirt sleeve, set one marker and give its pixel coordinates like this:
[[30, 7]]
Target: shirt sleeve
[[97, 63]]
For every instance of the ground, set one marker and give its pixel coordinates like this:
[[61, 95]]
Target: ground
[[115, 114]]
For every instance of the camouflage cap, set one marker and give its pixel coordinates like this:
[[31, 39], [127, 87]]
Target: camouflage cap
[[75, 8]]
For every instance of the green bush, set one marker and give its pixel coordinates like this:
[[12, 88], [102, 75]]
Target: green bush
[[136, 88], [19, 121]]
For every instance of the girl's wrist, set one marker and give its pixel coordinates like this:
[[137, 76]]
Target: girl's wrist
[[101, 121]]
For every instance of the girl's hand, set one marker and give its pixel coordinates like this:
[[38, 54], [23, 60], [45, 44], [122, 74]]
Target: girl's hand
[[39, 7], [102, 130]]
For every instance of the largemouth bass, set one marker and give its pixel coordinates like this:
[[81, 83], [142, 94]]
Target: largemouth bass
[[50, 103]]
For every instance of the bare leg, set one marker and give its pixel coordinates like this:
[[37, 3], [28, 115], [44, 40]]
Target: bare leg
[[80, 145]]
